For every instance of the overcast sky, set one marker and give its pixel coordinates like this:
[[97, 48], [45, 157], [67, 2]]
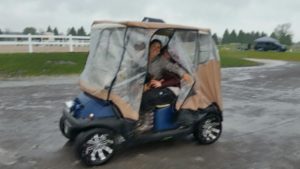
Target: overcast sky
[[249, 15]]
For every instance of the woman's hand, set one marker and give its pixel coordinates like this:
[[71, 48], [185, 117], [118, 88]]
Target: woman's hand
[[186, 77], [155, 83]]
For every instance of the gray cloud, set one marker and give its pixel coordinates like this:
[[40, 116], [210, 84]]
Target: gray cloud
[[217, 15]]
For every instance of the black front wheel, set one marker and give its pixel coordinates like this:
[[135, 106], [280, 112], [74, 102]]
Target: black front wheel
[[208, 130], [95, 146], [63, 128]]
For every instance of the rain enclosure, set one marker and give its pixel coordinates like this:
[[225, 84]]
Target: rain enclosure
[[117, 64]]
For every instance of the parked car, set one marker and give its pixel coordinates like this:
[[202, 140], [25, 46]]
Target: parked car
[[268, 44]]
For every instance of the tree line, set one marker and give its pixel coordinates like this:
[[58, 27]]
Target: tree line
[[282, 33], [33, 31], [240, 37]]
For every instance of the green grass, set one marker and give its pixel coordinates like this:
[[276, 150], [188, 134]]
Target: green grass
[[36, 64], [232, 59], [287, 56]]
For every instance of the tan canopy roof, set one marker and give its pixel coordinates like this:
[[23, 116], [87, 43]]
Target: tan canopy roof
[[153, 25]]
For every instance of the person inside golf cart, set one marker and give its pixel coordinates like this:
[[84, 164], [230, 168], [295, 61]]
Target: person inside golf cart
[[163, 82]]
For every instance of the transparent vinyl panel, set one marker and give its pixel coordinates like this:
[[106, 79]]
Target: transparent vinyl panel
[[207, 49], [131, 76], [183, 49], [106, 48]]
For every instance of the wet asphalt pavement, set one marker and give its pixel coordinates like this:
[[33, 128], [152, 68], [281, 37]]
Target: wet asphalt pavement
[[261, 128]]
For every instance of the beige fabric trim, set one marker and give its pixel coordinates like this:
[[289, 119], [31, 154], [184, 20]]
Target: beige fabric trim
[[207, 87], [125, 108], [154, 25]]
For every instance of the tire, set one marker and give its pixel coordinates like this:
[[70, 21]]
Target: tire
[[62, 127], [208, 130], [95, 146]]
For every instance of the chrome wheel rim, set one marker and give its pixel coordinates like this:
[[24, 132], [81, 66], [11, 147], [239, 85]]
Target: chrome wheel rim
[[211, 129], [98, 148]]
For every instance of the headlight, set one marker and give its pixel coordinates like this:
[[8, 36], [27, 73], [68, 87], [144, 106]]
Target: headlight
[[91, 116], [69, 105]]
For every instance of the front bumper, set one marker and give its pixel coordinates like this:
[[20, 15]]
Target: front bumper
[[73, 126]]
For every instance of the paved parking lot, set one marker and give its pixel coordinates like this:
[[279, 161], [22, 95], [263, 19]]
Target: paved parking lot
[[261, 125]]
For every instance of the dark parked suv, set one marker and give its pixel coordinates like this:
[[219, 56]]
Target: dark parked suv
[[266, 46]]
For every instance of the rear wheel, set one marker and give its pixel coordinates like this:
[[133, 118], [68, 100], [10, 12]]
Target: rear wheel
[[208, 130], [96, 146]]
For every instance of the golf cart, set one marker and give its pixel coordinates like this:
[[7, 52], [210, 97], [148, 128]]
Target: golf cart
[[104, 116]]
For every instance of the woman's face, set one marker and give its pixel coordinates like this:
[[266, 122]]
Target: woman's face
[[154, 49]]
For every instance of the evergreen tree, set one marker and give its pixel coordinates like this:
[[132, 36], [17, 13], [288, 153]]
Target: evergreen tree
[[263, 34], [55, 31], [247, 37], [81, 31], [232, 37], [29, 30], [72, 32], [225, 38], [215, 38], [49, 29], [1, 31], [256, 35], [241, 38], [252, 37]]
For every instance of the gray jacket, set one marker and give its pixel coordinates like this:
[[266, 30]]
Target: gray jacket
[[160, 63]]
